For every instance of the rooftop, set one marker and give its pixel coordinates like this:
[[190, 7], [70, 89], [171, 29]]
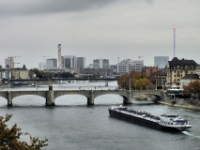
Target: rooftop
[[183, 62]]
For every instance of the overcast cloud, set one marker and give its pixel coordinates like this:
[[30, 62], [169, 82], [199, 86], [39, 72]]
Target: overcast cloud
[[98, 29]]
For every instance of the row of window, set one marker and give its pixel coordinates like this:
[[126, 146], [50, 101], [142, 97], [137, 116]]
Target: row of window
[[166, 122], [181, 67]]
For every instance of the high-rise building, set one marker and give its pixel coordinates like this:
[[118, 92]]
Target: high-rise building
[[101, 64], [59, 57], [81, 62], [41, 66], [96, 64], [161, 61], [105, 64], [69, 62], [9, 63], [51, 63], [122, 67], [128, 65]]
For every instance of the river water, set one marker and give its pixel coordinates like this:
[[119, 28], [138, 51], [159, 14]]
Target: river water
[[73, 125]]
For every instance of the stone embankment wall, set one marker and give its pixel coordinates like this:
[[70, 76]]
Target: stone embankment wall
[[183, 103], [4, 86], [144, 97]]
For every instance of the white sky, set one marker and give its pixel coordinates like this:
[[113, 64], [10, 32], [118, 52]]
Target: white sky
[[98, 29]]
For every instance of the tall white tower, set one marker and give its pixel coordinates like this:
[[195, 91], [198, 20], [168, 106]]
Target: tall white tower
[[59, 57], [174, 28]]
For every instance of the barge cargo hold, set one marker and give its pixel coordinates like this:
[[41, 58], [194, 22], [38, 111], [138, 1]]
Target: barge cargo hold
[[169, 122]]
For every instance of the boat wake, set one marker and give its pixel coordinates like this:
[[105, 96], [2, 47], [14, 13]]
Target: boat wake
[[188, 133]]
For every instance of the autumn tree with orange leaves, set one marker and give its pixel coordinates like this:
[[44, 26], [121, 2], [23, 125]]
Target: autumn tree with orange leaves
[[137, 81]]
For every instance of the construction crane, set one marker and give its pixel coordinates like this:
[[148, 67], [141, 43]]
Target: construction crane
[[12, 61]]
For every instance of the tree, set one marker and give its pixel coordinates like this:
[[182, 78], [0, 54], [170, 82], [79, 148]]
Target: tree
[[39, 73], [136, 79], [9, 137], [142, 84], [192, 88], [24, 67]]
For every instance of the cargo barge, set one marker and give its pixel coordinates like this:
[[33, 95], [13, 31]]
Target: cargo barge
[[164, 122]]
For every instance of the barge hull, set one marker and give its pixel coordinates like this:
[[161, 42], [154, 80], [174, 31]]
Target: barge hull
[[133, 119]]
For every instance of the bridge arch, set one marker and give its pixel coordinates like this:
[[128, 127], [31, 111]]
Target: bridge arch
[[24, 93], [156, 97], [30, 100], [108, 99], [4, 95], [71, 99], [3, 101], [123, 95]]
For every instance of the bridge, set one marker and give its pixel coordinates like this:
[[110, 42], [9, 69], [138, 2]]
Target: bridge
[[50, 95]]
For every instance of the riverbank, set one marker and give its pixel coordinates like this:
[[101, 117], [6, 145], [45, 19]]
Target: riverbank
[[182, 103], [4, 86]]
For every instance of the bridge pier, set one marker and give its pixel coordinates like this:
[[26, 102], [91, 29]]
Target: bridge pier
[[128, 99], [9, 98], [90, 101], [50, 96]]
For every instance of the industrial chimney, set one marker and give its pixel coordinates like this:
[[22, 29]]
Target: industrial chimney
[[59, 57]]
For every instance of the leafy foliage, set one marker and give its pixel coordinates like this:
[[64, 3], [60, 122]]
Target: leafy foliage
[[136, 79], [42, 75], [192, 88], [9, 137]]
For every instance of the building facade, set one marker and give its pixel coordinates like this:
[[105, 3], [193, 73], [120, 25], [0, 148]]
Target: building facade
[[187, 79], [161, 79], [177, 69], [81, 62], [198, 70], [161, 61], [9, 63], [101, 64], [5, 74], [105, 64], [122, 67], [51, 63], [41, 66], [96, 64], [69, 62], [128, 65], [20, 73], [148, 70]]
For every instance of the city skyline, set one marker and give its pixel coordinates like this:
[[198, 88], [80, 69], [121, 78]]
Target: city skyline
[[98, 30]]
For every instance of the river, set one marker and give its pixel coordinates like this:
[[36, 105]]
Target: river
[[73, 125]]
